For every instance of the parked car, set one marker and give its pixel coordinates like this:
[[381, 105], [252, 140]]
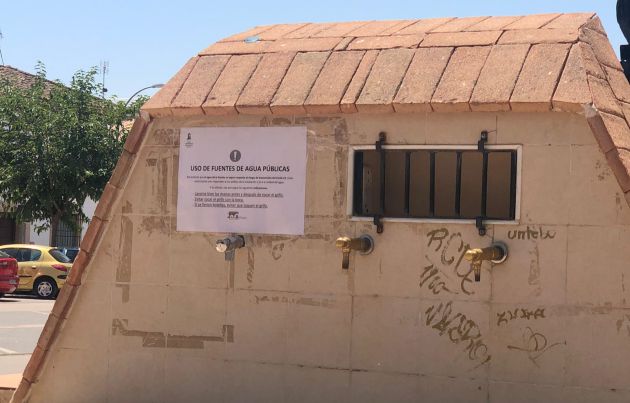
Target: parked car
[[71, 253], [8, 274], [42, 269]]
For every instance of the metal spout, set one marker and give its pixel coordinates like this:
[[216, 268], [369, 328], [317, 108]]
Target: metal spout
[[497, 253], [229, 245], [363, 244]]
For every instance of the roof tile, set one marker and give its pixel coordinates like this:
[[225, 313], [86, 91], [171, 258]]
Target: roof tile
[[601, 47], [498, 78], [533, 21], [347, 104], [457, 84], [136, 135], [570, 21], [262, 86], [423, 76], [618, 83], [492, 24], [572, 91], [532, 36], [626, 110], [246, 34], [617, 130], [297, 83], [344, 43], [461, 39], [591, 64], [53, 322], [402, 24], [383, 81], [595, 24], [307, 31], [222, 99], [539, 78], [92, 235], [198, 85], [22, 391], [279, 31], [339, 29], [459, 24], [375, 28], [422, 26], [596, 123], [619, 162], [332, 82], [160, 103], [34, 366], [303, 45], [386, 42], [235, 48], [103, 208], [603, 97]]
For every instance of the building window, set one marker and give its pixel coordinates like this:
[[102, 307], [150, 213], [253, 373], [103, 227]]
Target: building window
[[68, 236], [435, 183]]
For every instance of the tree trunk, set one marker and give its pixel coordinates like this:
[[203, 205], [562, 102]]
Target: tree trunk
[[54, 228]]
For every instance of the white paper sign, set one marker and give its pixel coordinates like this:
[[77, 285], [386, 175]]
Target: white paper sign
[[242, 180]]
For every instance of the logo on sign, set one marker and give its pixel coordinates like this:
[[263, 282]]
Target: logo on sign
[[235, 155], [232, 215], [188, 142]]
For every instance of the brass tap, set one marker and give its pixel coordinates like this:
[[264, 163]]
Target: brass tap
[[363, 244], [497, 253]]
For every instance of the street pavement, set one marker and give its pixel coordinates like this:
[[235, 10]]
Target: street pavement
[[22, 319]]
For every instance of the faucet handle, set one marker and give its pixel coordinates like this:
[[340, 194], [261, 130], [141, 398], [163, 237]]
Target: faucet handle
[[364, 244], [343, 243], [473, 254], [496, 253]]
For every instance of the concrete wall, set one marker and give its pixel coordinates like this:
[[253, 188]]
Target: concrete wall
[[43, 238], [162, 317]]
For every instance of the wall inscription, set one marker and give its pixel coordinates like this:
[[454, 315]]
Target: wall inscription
[[447, 272], [519, 313], [459, 330], [534, 344]]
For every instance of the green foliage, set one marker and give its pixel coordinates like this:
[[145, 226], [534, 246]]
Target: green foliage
[[58, 145]]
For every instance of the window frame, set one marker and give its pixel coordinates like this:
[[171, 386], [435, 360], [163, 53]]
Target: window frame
[[352, 149]]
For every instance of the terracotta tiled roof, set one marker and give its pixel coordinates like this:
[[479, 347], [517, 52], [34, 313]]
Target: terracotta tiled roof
[[21, 78], [529, 63]]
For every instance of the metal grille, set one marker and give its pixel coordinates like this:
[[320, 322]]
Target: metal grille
[[435, 184], [68, 236]]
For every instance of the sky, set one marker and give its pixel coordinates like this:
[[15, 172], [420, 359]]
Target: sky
[[146, 42]]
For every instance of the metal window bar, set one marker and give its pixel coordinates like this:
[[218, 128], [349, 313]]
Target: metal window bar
[[407, 182], [358, 185], [67, 236], [484, 186]]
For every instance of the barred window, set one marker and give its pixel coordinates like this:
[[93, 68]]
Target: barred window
[[68, 236], [435, 183]]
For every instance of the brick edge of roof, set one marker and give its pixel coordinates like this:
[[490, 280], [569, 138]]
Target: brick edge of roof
[[96, 229]]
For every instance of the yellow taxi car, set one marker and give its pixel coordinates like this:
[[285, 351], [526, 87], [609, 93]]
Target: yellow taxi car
[[42, 269]]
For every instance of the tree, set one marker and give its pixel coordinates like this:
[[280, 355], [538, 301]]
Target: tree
[[58, 146]]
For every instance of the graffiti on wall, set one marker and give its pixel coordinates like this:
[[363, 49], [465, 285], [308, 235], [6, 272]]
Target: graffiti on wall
[[447, 272], [531, 233], [459, 330], [295, 299], [534, 344], [519, 313]]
